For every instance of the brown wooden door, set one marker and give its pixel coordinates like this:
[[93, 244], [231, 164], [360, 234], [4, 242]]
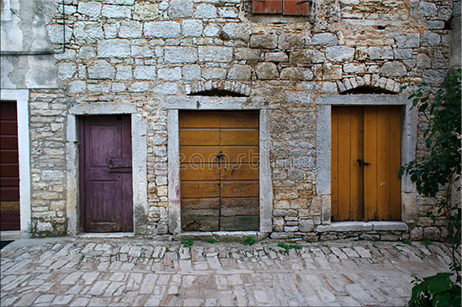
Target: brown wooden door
[[366, 156], [106, 174], [219, 170], [9, 167]]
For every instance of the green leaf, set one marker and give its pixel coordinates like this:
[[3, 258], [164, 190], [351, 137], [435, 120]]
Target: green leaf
[[439, 284], [442, 299]]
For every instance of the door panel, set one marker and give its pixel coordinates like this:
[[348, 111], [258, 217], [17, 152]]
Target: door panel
[[219, 170], [106, 178], [9, 167], [366, 155], [371, 171]]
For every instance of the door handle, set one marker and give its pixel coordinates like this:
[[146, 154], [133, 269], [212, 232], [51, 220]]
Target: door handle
[[220, 156], [363, 163]]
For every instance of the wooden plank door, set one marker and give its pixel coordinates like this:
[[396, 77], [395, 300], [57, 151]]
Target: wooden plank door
[[106, 174], [9, 167], [219, 170], [366, 156]]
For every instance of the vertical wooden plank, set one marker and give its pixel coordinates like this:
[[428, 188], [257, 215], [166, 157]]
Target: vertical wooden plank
[[296, 7], [383, 157], [344, 163], [356, 177], [395, 163], [334, 166], [266, 6], [370, 156]]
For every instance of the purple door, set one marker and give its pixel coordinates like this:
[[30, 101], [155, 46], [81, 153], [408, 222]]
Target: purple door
[[106, 174]]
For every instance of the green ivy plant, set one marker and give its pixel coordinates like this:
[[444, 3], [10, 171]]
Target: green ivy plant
[[441, 167], [437, 290]]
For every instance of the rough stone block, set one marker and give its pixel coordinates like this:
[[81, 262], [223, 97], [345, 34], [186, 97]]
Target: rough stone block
[[170, 74], [356, 68], [380, 53], [146, 11], [240, 72], [180, 55], [130, 29], [215, 54], [66, 70], [265, 41], [162, 29], [113, 48], [180, 8], [402, 54], [426, 9], [266, 71], [393, 69], [407, 40], [296, 73], [212, 30], [236, 31], [192, 28], [228, 12], [101, 70], [89, 31], [191, 72], [423, 61], [324, 39], [205, 11], [214, 73], [303, 57], [145, 73], [306, 225], [116, 11], [340, 53], [166, 89], [430, 39], [290, 41], [246, 54], [91, 9]]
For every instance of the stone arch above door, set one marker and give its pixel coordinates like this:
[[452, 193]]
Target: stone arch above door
[[240, 89], [371, 81]]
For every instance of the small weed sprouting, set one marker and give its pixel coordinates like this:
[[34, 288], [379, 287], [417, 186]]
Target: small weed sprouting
[[426, 241], [310, 240], [211, 241], [188, 243], [407, 241], [249, 241], [167, 250], [290, 246]]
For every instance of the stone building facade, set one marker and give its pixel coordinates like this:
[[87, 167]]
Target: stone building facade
[[152, 59]]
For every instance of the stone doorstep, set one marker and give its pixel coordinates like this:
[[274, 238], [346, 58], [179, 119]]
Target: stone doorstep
[[363, 226], [10, 235], [222, 236], [106, 235]]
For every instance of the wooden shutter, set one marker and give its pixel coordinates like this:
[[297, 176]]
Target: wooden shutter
[[296, 7], [266, 6]]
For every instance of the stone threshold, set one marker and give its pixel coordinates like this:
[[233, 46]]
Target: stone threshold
[[106, 235], [10, 235], [363, 226], [222, 236]]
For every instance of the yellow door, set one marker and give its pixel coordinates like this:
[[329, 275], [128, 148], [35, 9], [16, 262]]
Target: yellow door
[[219, 170], [366, 156]]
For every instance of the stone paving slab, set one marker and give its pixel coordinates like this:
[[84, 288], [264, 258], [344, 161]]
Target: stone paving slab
[[136, 272]]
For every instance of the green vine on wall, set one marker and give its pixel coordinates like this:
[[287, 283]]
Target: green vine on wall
[[441, 167]]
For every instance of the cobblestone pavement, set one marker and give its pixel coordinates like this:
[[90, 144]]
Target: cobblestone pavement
[[135, 272]]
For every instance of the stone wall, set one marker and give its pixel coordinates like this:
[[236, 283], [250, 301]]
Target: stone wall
[[48, 110], [142, 52]]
